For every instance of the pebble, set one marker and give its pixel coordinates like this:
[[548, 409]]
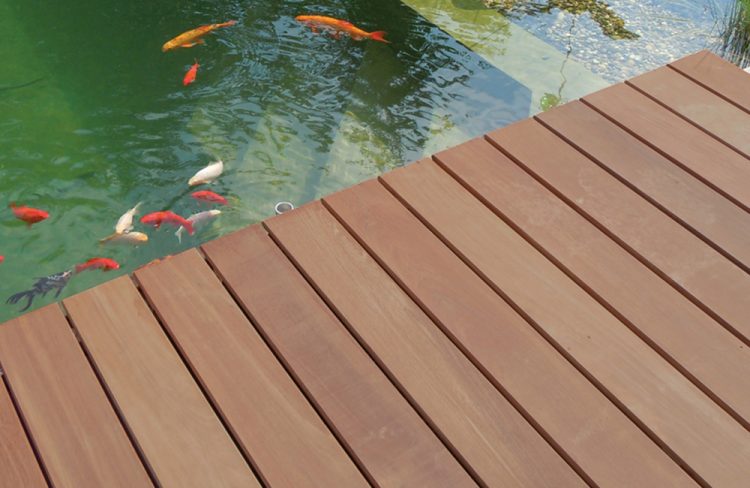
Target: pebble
[[668, 30]]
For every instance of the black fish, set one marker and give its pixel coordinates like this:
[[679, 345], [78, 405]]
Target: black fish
[[42, 287]]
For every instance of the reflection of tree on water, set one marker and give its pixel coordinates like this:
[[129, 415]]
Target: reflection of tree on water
[[611, 24]]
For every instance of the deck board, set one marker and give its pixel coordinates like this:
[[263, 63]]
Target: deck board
[[722, 78], [709, 215], [725, 170], [289, 443], [662, 400], [18, 465], [689, 263], [489, 433], [154, 390], [561, 302], [79, 437], [393, 444], [692, 340], [724, 121], [614, 452]]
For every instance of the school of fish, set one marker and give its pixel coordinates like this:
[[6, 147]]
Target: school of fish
[[124, 233]]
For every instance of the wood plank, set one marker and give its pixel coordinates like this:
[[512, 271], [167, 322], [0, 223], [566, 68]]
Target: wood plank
[[288, 442], [614, 451], [181, 437], [715, 74], [77, 433], [697, 105], [685, 421], [493, 438], [692, 341], [384, 433], [680, 257], [710, 216], [18, 465], [684, 144], [704, 157]]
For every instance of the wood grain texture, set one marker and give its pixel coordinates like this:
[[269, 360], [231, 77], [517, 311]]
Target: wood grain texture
[[77, 433], [18, 465], [289, 444], [702, 348], [687, 146], [699, 208], [680, 416], [182, 439], [384, 433], [502, 448], [720, 76], [613, 452], [682, 258], [697, 105]]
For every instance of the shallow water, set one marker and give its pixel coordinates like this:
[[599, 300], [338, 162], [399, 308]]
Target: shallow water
[[294, 116]]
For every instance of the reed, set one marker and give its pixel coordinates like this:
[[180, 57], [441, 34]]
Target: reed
[[735, 34]]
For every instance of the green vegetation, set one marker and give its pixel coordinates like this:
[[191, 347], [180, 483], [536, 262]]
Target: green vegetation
[[612, 26], [735, 34]]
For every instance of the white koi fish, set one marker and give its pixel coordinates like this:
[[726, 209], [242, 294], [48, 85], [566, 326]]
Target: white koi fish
[[198, 220], [125, 223], [207, 174], [129, 238]]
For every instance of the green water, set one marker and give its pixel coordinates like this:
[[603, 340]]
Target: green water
[[294, 116]]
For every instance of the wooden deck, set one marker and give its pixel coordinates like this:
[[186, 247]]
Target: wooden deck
[[563, 302]]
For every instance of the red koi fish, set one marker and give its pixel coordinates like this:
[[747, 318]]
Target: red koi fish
[[158, 218], [337, 27], [209, 196], [190, 75], [105, 264], [2, 258], [194, 36], [28, 214]]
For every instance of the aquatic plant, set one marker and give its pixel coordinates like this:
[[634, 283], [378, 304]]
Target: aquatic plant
[[611, 24], [735, 34]]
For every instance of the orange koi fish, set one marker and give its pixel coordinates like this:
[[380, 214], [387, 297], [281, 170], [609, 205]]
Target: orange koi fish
[[209, 196], [105, 264], [28, 214], [158, 218], [337, 27], [193, 37], [2, 258], [190, 75]]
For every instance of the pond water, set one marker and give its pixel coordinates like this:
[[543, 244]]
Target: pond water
[[94, 117]]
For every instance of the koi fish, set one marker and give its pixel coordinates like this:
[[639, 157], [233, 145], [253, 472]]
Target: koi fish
[[158, 218], [125, 222], [209, 196], [105, 264], [131, 238], [193, 37], [42, 286], [190, 75], [337, 27], [2, 258], [198, 220], [207, 174], [28, 214]]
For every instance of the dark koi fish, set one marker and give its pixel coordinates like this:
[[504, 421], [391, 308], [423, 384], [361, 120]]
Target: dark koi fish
[[42, 286]]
